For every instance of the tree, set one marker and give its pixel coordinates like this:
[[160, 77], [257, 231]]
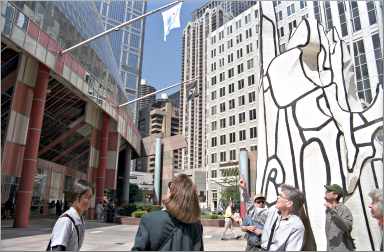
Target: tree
[[135, 194], [230, 193]]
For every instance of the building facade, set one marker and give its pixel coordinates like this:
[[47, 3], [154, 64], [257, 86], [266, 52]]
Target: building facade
[[231, 100], [127, 43], [145, 89], [357, 23], [58, 115]]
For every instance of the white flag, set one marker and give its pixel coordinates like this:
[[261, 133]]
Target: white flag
[[171, 19]]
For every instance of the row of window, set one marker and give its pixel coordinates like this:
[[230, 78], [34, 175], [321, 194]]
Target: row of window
[[239, 39], [247, 19], [231, 71], [231, 103], [223, 158], [232, 137], [231, 87], [232, 120]]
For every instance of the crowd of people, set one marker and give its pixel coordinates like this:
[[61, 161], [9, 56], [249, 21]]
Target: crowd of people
[[177, 226]]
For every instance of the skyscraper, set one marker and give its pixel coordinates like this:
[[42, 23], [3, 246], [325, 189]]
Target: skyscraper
[[145, 89], [127, 43]]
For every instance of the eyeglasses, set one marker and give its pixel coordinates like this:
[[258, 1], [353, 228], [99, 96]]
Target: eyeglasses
[[259, 201]]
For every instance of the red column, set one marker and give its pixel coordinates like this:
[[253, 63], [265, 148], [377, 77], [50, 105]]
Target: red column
[[92, 168], [24, 194], [103, 157]]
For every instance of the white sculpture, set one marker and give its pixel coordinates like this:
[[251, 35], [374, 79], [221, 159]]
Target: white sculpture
[[312, 130]]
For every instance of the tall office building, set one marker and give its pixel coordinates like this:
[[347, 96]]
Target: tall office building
[[192, 100], [231, 100], [358, 23], [145, 89], [230, 7], [127, 43]]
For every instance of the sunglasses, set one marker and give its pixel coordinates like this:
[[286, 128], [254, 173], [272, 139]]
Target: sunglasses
[[259, 201]]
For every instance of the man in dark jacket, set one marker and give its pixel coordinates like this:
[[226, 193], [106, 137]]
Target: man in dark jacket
[[338, 225]]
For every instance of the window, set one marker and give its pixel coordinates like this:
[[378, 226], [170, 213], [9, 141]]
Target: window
[[222, 91], [232, 120], [222, 139], [256, 13], [231, 72], [238, 38], [213, 110], [222, 107], [232, 155], [252, 97], [213, 173], [361, 72], [221, 35], [249, 48], [355, 16], [213, 95], [248, 33], [222, 123], [213, 141], [291, 9], [229, 43], [343, 19], [232, 104], [223, 157], [252, 114], [213, 80], [222, 76], [328, 15], [240, 84], [238, 24], [242, 134], [254, 148], [213, 158], [213, 40], [316, 10], [221, 48], [213, 126], [242, 117], [247, 18], [241, 100], [378, 55], [281, 31], [250, 64], [231, 88], [253, 132], [280, 15], [251, 80], [303, 4], [371, 12], [232, 137], [240, 68], [221, 62], [229, 29], [230, 58], [239, 53], [213, 53], [213, 66], [282, 47], [291, 25]]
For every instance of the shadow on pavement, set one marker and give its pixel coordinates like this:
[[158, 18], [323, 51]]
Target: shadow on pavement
[[38, 226]]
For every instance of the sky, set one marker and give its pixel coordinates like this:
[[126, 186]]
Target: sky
[[162, 59]]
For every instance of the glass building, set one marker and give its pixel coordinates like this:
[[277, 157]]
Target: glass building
[[127, 43]]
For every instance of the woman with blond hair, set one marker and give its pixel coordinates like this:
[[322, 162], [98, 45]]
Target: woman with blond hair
[[177, 227]]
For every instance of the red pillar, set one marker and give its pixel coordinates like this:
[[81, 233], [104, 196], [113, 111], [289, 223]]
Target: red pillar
[[103, 157], [24, 194]]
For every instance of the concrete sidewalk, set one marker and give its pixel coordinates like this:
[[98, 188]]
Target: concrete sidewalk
[[100, 237]]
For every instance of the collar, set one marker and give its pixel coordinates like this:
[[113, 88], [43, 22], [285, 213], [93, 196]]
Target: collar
[[75, 215]]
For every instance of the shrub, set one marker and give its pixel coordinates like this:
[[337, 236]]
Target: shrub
[[138, 213]]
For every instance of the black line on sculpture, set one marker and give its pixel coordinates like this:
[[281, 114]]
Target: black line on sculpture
[[365, 217], [291, 149], [340, 158], [374, 171], [277, 131]]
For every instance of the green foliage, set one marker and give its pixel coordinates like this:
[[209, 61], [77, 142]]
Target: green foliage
[[135, 194], [130, 208], [138, 213], [230, 192]]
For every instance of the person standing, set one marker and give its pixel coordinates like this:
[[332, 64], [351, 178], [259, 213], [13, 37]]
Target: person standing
[[100, 212], [254, 221], [283, 229], [69, 229], [377, 210], [338, 224], [228, 215], [177, 227]]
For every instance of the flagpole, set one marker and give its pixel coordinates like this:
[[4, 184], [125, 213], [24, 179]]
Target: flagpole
[[158, 91], [119, 26]]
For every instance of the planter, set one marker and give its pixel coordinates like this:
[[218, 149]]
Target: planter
[[126, 220]]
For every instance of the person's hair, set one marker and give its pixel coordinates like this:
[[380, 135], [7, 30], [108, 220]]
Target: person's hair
[[377, 198], [294, 195], [183, 202], [80, 187]]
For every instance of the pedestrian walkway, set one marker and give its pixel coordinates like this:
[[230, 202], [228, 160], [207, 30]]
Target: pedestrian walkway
[[100, 237]]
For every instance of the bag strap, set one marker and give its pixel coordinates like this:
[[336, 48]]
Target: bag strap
[[77, 229]]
